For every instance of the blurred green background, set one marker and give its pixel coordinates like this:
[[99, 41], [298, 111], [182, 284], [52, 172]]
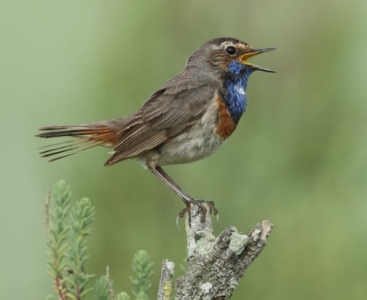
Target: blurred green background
[[298, 157]]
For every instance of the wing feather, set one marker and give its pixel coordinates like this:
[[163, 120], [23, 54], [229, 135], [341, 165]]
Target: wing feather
[[168, 112]]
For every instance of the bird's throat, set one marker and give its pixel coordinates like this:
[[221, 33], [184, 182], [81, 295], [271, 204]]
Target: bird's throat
[[236, 82]]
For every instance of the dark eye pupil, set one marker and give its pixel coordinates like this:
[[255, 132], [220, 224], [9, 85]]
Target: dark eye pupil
[[231, 50]]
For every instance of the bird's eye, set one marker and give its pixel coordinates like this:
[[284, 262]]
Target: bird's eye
[[231, 50]]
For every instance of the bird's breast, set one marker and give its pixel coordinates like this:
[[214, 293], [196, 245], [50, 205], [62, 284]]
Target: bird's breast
[[200, 140], [225, 124]]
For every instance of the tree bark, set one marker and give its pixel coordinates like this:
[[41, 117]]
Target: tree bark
[[216, 264]]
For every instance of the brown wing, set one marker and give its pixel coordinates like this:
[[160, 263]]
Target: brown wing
[[169, 111]]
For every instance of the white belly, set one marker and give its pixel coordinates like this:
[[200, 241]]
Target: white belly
[[198, 142], [190, 146]]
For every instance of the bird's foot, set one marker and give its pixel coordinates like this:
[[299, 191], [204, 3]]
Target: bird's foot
[[202, 209]]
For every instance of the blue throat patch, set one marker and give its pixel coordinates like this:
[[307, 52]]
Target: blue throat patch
[[236, 84]]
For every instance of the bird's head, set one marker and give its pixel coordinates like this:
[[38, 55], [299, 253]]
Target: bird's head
[[227, 54]]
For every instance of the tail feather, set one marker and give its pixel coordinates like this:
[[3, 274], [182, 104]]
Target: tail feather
[[89, 135]]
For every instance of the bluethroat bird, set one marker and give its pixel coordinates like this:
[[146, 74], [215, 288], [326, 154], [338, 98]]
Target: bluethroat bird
[[187, 119]]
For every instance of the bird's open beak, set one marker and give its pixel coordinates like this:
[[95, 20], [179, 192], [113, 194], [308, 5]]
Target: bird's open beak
[[255, 52]]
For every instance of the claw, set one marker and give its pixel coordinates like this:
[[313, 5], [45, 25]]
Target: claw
[[182, 213], [202, 210], [178, 218]]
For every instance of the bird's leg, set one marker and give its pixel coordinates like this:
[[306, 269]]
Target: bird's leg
[[187, 199]]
